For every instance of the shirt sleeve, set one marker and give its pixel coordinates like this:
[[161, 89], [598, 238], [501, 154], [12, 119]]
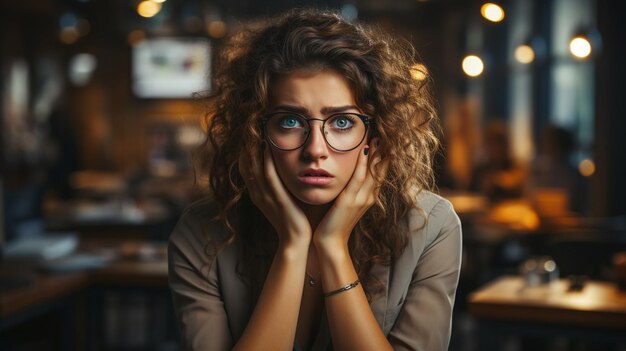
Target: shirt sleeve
[[195, 289], [425, 320]]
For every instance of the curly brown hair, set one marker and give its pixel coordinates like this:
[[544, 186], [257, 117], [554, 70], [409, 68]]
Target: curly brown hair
[[378, 68]]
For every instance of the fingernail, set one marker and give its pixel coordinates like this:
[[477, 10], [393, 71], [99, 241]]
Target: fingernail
[[366, 151]]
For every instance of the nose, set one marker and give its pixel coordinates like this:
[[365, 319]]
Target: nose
[[315, 146]]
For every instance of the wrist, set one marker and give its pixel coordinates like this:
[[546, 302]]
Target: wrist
[[331, 249], [294, 247]]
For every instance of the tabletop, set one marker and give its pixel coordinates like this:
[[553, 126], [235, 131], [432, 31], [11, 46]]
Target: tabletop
[[147, 272], [597, 304]]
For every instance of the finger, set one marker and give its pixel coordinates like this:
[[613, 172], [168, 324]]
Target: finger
[[376, 170], [360, 172]]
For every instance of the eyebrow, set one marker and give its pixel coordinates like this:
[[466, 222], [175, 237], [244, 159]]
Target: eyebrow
[[325, 110]]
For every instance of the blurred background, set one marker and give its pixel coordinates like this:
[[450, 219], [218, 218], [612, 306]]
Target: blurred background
[[97, 122]]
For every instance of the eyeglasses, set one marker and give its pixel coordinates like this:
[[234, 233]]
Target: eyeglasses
[[343, 131]]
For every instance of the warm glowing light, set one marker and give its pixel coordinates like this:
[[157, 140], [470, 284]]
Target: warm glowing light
[[549, 266], [516, 214], [492, 12], [68, 35], [587, 167], [158, 1], [72, 27], [136, 36], [473, 66], [580, 47], [524, 54], [148, 9], [217, 29], [419, 72]]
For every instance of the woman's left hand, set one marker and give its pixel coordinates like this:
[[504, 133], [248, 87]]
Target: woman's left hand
[[358, 196]]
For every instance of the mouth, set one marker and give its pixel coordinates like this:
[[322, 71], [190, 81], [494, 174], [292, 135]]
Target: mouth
[[315, 173], [315, 177]]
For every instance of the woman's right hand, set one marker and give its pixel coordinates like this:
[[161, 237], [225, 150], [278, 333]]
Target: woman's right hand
[[270, 196]]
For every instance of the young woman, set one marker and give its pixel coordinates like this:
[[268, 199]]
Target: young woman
[[320, 232]]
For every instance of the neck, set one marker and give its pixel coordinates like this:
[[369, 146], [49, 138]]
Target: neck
[[314, 213]]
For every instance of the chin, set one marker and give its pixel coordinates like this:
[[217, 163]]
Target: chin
[[315, 197]]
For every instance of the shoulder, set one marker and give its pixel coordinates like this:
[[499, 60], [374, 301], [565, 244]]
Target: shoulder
[[432, 207], [429, 201], [196, 229], [433, 216], [203, 208]]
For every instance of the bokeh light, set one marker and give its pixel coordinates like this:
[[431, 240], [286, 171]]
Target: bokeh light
[[148, 8], [492, 12], [68, 35], [580, 47], [473, 65], [524, 54], [587, 167], [81, 68], [217, 29]]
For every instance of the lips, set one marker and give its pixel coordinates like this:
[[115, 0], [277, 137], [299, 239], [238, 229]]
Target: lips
[[315, 177], [315, 173]]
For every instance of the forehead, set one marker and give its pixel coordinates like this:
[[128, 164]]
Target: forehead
[[312, 89]]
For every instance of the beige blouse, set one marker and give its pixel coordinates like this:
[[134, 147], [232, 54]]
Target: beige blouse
[[414, 312]]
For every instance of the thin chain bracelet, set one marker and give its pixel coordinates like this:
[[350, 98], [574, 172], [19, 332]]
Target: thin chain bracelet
[[342, 289]]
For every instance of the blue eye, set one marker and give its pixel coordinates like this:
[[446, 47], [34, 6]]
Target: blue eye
[[290, 122], [342, 122]]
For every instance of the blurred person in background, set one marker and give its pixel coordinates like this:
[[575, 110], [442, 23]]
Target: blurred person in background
[[321, 228], [554, 169], [462, 141], [63, 151], [498, 176], [38, 154]]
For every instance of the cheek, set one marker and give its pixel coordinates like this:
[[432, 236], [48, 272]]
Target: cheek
[[347, 164], [285, 164]]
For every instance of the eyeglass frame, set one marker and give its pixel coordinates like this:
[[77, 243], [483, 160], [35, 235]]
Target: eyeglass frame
[[367, 120]]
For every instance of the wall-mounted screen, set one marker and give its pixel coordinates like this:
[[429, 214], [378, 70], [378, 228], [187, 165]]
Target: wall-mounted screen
[[171, 67]]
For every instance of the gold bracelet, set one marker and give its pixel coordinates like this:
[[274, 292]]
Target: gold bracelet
[[342, 289]]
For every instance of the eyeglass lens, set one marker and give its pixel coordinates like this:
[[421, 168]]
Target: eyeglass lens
[[289, 131]]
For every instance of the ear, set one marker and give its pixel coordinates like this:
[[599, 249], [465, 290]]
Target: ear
[[371, 134]]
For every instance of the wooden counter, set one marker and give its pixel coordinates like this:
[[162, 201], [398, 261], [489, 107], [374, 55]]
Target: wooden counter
[[597, 305]]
